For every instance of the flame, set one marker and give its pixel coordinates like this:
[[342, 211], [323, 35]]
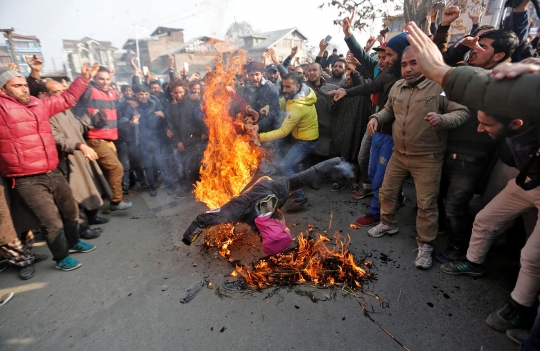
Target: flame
[[230, 159], [319, 260]]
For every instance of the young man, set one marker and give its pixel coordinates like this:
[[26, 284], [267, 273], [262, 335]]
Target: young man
[[520, 141], [29, 156], [422, 117], [300, 121], [99, 101]]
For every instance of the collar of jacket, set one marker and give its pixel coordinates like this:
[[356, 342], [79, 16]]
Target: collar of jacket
[[33, 100], [94, 85], [420, 85]]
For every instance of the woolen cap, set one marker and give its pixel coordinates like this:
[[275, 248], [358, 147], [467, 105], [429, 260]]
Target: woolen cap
[[398, 43], [6, 75], [254, 66]]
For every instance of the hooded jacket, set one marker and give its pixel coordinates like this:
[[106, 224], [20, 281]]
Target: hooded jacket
[[301, 118], [27, 146]]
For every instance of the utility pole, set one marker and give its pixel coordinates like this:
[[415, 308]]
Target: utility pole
[[13, 52], [137, 46], [498, 13]]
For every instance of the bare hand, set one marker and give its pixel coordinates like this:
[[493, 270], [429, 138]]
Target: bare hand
[[34, 62], [13, 67], [264, 111], [169, 133], [253, 113], [159, 114], [450, 14], [135, 119], [434, 119], [348, 23], [180, 146], [428, 56], [88, 72], [323, 45], [88, 152], [294, 51], [471, 43], [229, 89], [381, 39], [204, 137], [370, 42], [372, 126], [171, 62], [350, 59], [513, 70], [338, 94], [273, 55], [476, 14]]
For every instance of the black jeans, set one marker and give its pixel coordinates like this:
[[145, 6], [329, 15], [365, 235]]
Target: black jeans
[[459, 181], [50, 199]]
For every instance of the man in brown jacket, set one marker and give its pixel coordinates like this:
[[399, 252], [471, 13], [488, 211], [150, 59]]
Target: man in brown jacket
[[422, 116]]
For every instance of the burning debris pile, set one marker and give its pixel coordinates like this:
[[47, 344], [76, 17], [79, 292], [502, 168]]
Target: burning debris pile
[[230, 159], [318, 260]]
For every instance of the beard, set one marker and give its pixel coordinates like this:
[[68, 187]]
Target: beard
[[291, 95], [337, 75]]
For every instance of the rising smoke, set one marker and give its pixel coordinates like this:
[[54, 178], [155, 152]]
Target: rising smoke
[[345, 169]]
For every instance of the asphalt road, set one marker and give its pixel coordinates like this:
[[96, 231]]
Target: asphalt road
[[126, 295]]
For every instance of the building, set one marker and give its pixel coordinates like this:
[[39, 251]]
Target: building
[[281, 40], [87, 50], [162, 40], [25, 45], [5, 57]]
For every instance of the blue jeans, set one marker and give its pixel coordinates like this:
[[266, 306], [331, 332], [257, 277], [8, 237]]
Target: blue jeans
[[532, 342], [298, 151], [154, 158], [381, 151]]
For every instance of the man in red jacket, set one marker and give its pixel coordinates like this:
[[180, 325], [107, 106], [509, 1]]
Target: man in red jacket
[[28, 156]]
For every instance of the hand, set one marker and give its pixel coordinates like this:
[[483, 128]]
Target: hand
[[180, 146], [273, 56], [434, 119], [428, 56], [513, 70], [450, 14], [372, 126], [348, 23], [132, 103], [229, 89], [171, 62], [204, 137], [88, 152], [136, 71], [381, 39], [264, 111], [294, 51], [350, 59], [370, 42], [159, 114], [471, 43], [64, 83], [476, 14], [13, 67], [322, 46], [34, 62], [135, 119], [111, 70], [433, 14], [169, 133], [88, 72], [253, 113], [251, 128], [338, 94]]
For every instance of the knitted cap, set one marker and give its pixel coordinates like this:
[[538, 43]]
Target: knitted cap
[[254, 66], [398, 43], [6, 75]]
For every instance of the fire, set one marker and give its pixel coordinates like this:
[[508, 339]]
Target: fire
[[230, 159], [319, 260]]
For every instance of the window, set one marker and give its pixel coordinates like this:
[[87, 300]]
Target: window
[[298, 43], [287, 43]]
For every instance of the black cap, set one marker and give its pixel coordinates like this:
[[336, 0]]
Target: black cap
[[270, 67]]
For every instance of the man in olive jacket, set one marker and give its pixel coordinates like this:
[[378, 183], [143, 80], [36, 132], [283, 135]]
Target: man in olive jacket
[[422, 116]]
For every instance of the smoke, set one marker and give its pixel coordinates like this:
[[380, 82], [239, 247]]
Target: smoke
[[345, 169]]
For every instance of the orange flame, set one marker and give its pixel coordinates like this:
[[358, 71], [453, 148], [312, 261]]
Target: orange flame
[[230, 159]]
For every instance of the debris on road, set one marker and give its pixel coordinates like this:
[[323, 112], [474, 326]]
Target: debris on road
[[192, 291]]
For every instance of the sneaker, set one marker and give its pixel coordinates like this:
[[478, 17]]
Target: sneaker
[[381, 229], [423, 258], [170, 190], [367, 220], [4, 298], [338, 186], [81, 246], [68, 264], [462, 266], [517, 335], [363, 192], [511, 316], [152, 192], [355, 187], [122, 205], [40, 257], [295, 205], [126, 191], [27, 272], [450, 254]]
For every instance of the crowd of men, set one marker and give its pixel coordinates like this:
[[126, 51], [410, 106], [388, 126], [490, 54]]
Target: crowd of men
[[411, 108]]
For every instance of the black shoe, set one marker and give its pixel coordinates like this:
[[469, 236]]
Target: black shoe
[[517, 335], [27, 272], [170, 190], [89, 234], [180, 193], [315, 185], [40, 257], [126, 191], [511, 315], [450, 254], [152, 191], [99, 220], [296, 205]]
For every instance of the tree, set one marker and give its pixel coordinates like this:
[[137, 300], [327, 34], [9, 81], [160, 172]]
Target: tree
[[239, 29]]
